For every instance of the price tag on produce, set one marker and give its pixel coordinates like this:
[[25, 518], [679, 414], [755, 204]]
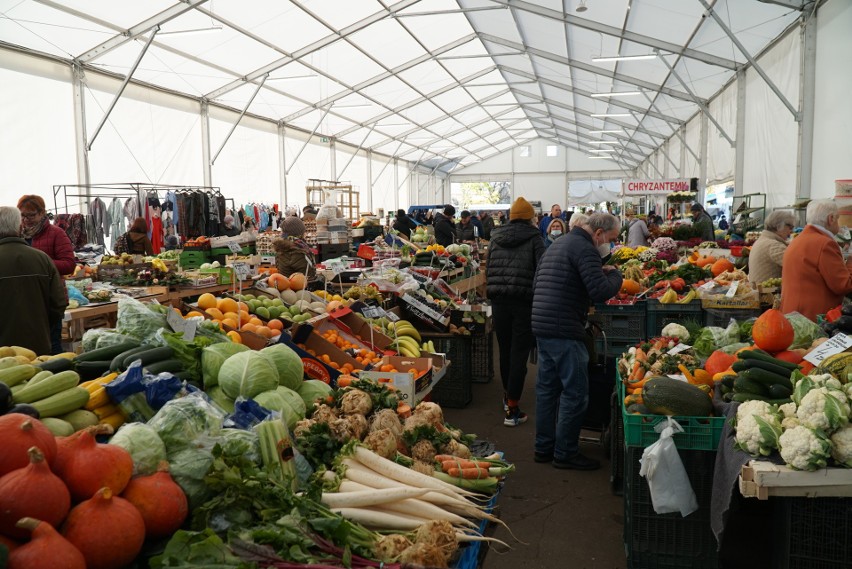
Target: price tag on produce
[[235, 247], [709, 285], [392, 317], [834, 345], [189, 331], [373, 312], [678, 349], [337, 267], [733, 290], [241, 270], [176, 321]]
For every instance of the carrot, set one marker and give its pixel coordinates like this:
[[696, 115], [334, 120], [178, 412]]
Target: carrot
[[450, 464], [637, 373], [468, 472], [640, 355]]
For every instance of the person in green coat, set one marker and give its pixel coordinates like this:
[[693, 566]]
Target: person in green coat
[[703, 223]]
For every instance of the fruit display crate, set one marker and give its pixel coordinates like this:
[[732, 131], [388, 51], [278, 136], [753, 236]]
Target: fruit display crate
[[813, 533], [660, 314], [621, 322], [669, 541], [721, 317], [454, 390], [482, 357], [699, 433]]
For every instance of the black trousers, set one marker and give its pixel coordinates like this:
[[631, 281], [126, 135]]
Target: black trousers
[[513, 328]]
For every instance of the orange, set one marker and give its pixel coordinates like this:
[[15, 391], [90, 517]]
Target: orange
[[325, 358], [227, 305], [235, 337], [243, 306], [334, 365], [275, 324], [264, 331], [249, 327], [215, 313], [231, 316], [244, 317], [192, 313], [256, 321], [230, 322], [206, 301]]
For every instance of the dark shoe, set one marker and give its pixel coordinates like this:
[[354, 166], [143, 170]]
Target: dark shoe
[[514, 417], [577, 462], [543, 457]]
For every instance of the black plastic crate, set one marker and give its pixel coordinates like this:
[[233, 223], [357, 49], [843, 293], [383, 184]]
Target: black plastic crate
[[454, 389], [612, 350], [721, 317], [669, 540], [616, 448], [482, 357], [659, 315], [624, 322], [816, 533]]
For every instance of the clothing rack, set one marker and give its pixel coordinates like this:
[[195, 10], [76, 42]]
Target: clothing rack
[[119, 190]]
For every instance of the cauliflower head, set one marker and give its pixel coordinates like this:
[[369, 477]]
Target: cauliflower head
[[803, 448], [758, 428], [824, 408], [841, 446], [788, 416]]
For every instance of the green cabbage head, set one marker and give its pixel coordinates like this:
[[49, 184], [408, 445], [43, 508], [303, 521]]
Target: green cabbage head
[[287, 362], [247, 374], [144, 445], [212, 358]]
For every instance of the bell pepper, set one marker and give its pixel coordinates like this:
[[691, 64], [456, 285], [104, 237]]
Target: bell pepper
[[833, 314]]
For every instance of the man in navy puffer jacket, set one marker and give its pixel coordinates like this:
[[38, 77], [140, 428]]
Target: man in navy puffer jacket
[[570, 277]]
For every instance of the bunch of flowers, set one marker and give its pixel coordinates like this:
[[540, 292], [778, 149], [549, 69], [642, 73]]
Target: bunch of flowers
[[664, 244], [669, 256], [680, 197], [648, 254]]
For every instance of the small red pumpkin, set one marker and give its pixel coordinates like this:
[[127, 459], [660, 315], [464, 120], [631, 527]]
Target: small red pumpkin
[[32, 492], [46, 549], [160, 500], [19, 432], [772, 332], [791, 356], [86, 466]]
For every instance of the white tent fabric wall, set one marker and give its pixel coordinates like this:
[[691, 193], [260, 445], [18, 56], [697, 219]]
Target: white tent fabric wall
[[673, 147], [593, 191], [720, 154], [383, 184], [313, 163], [548, 188], [247, 169], [832, 151], [692, 136], [771, 132]]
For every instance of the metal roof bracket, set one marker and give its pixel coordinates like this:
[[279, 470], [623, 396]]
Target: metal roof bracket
[[239, 118]]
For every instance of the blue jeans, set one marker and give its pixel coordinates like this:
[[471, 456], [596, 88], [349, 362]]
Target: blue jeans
[[561, 396]]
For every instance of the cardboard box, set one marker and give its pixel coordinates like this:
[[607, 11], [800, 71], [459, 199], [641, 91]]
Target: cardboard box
[[407, 383], [463, 317], [224, 275], [314, 367], [250, 339], [425, 314], [354, 324]]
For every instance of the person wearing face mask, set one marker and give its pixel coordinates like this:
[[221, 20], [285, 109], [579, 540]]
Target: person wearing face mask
[[637, 230], [815, 276], [554, 231], [570, 276], [555, 213]]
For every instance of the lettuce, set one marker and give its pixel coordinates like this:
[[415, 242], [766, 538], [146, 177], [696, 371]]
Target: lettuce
[[312, 389], [187, 422], [805, 331]]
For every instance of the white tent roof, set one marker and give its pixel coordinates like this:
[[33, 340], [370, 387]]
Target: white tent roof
[[438, 82]]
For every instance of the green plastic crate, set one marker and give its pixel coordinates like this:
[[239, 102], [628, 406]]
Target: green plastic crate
[[699, 433]]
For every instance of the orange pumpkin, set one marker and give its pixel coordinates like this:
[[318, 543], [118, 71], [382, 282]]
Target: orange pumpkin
[[629, 286], [721, 266], [772, 332], [704, 261], [718, 362], [792, 356]]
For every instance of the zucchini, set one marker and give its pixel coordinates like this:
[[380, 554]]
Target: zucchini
[[743, 397], [80, 419], [637, 409], [152, 355], [778, 391], [743, 365], [58, 427], [62, 402], [117, 363], [728, 381], [744, 384], [47, 387], [761, 355], [767, 378], [56, 365], [92, 369], [107, 353], [40, 376], [12, 376], [728, 397], [172, 365], [667, 396]]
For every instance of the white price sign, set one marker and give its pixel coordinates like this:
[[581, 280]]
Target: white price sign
[[834, 345], [392, 317], [337, 267], [709, 285], [241, 270], [733, 290], [177, 323], [189, 331], [678, 349], [235, 247]]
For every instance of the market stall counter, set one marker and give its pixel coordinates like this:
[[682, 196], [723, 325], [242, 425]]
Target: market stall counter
[[78, 318]]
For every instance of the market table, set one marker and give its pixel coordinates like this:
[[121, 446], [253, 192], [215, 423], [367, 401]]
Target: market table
[[77, 317], [175, 297]]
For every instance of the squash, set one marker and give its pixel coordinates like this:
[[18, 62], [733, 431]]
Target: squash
[[160, 501], [792, 356], [721, 266], [86, 465], [704, 261], [19, 432], [718, 362], [772, 332], [701, 377], [33, 491], [629, 286], [46, 548], [108, 530], [667, 396]]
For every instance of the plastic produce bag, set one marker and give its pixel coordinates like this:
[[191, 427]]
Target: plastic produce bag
[[128, 392], [667, 479], [188, 422], [713, 338], [247, 413], [805, 331], [75, 294], [138, 320]]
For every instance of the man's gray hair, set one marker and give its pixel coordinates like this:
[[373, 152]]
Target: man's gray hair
[[776, 220], [819, 210], [603, 221], [10, 222], [577, 220]]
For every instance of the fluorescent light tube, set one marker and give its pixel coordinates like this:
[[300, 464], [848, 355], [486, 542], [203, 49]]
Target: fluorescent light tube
[[604, 115], [193, 31], [606, 131], [604, 142], [623, 58], [616, 94], [601, 150], [598, 157]]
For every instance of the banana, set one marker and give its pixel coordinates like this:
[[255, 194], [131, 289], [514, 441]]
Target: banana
[[409, 343], [408, 331], [689, 297], [431, 346]]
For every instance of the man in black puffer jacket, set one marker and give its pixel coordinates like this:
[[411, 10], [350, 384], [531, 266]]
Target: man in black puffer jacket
[[445, 229], [513, 255], [569, 279]]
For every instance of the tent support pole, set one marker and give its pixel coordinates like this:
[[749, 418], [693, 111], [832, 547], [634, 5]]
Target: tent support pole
[[739, 151], [205, 142], [78, 77], [124, 85], [239, 118], [702, 164], [308, 140], [282, 164], [370, 181], [807, 86]]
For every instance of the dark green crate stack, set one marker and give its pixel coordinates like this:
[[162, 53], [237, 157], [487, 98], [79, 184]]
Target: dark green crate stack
[[722, 317], [221, 253], [193, 259], [454, 389], [616, 446], [482, 357], [622, 326], [659, 315], [813, 533]]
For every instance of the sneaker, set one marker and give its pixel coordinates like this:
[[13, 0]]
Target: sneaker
[[577, 462], [514, 417], [543, 457]]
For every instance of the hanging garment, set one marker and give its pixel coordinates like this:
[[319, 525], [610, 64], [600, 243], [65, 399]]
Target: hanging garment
[[116, 216], [74, 225], [131, 210], [100, 220], [156, 234], [263, 224]]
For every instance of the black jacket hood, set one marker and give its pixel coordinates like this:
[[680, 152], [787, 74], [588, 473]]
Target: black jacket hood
[[514, 234]]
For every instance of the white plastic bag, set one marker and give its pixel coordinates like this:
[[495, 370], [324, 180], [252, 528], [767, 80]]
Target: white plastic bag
[[667, 479]]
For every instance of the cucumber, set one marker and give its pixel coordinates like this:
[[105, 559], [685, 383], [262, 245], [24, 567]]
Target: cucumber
[[172, 365], [153, 355], [743, 397], [743, 365], [117, 363], [92, 369], [743, 384], [56, 365], [728, 381], [778, 391], [767, 378], [761, 355], [106, 353]]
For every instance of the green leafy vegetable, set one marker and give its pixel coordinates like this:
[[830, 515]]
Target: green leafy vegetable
[[144, 445], [192, 549], [288, 363], [182, 422], [247, 374], [212, 358]]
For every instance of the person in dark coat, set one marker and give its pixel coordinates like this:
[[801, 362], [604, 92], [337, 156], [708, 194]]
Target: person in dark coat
[[30, 280], [513, 255], [229, 229], [702, 223], [465, 228], [292, 253], [487, 224], [445, 229], [137, 238], [474, 219], [404, 224], [569, 279]]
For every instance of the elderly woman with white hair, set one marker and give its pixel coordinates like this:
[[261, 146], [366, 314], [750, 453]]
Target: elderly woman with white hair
[[814, 276], [767, 254]]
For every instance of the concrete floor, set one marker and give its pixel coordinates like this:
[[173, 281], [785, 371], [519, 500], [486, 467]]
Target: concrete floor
[[565, 518]]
